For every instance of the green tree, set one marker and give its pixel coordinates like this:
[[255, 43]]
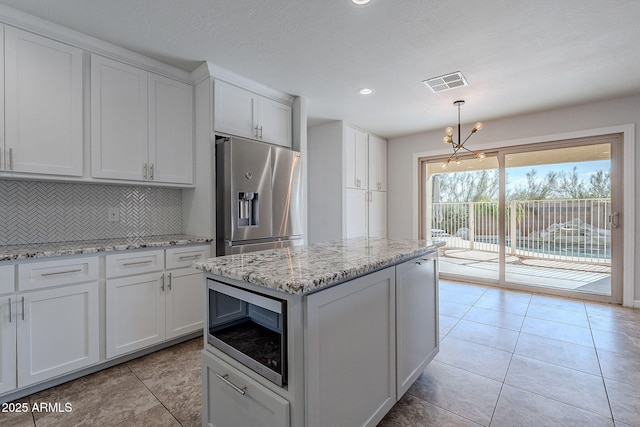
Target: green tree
[[475, 186]]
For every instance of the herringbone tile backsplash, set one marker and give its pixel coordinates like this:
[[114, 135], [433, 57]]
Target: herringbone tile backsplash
[[41, 212]]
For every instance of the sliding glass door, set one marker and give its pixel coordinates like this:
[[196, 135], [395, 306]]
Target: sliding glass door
[[461, 209], [542, 217]]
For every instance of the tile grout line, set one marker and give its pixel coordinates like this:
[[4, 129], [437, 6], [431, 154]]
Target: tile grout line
[[524, 316], [152, 393], [604, 383]]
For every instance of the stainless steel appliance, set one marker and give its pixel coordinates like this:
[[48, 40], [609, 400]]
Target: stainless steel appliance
[[259, 191], [249, 327]]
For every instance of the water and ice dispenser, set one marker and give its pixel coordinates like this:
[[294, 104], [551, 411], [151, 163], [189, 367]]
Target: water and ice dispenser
[[248, 209]]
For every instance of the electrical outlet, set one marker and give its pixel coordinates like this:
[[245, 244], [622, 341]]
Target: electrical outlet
[[113, 214]]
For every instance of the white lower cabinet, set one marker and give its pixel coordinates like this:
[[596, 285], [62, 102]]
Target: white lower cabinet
[[184, 302], [7, 344], [350, 350], [417, 317], [147, 309], [57, 331], [135, 313], [232, 399]]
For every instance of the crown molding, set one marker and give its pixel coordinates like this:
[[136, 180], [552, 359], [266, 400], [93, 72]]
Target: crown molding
[[220, 73]]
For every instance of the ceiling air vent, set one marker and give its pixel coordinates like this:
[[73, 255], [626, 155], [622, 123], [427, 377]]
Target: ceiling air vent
[[446, 82]]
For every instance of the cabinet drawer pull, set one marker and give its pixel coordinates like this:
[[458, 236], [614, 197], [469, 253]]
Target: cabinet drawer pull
[[185, 257], [127, 264], [162, 283], [10, 314], [10, 159], [224, 379], [423, 260], [22, 308], [77, 270], [169, 284], [144, 171], [151, 172]]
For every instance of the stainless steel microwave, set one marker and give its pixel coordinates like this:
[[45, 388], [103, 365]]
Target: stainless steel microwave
[[250, 327]]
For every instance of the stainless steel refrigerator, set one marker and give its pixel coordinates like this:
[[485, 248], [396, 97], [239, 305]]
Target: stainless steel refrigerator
[[258, 196]]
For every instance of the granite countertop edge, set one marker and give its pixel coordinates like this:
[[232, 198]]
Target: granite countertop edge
[[333, 269], [54, 249]]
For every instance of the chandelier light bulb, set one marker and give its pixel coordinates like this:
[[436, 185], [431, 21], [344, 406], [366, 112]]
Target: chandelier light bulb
[[478, 126], [457, 161], [449, 131], [446, 139], [482, 156]]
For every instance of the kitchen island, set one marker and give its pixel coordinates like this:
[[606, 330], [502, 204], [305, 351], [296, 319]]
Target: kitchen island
[[360, 323]]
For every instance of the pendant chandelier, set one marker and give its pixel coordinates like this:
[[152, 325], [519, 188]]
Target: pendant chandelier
[[457, 146]]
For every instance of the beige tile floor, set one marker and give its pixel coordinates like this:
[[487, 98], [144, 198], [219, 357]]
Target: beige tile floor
[[519, 359], [506, 359]]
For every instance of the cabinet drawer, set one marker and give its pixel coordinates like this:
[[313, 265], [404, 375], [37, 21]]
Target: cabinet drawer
[[38, 275], [233, 399], [124, 264], [7, 278], [183, 256]]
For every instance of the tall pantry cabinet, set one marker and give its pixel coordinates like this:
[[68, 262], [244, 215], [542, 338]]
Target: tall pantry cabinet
[[347, 183]]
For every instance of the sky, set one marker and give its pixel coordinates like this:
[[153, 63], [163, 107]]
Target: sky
[[518, 176]]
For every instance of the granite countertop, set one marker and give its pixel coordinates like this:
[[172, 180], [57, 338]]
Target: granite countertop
[[44, 250], [304, 269]]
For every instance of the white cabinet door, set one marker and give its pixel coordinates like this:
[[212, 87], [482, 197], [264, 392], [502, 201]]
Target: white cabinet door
[[184, 301], [43, 105], [135, 313], [170, 130], [232, 399], [356, 158], [351, 329], [274, 120], [3, 153], [119, 132], [377, 163], [235, 110], [417, 316], [7, 279], [58, 331], [355, 213], [8, 321], [377, 214]]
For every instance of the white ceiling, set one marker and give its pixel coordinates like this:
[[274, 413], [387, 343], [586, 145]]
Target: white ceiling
[[519, 56]]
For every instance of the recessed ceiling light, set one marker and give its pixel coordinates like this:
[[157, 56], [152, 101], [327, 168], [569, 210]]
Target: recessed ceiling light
[[360, 2], [365, 91]]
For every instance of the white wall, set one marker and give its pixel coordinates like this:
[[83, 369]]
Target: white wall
[[402, 152]]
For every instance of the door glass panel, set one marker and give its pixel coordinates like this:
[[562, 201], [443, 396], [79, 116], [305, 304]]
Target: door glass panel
[[461, 209], [557, 212]]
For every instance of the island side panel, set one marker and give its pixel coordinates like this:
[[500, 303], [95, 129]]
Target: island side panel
[[351, 352]]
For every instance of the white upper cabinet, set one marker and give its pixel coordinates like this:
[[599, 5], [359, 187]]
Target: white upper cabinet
[[171, 127], [274, 119], [43, 105], [377, 163], [240, 112], [119, 134], [356, 157], [235, 110], [141, 125]]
